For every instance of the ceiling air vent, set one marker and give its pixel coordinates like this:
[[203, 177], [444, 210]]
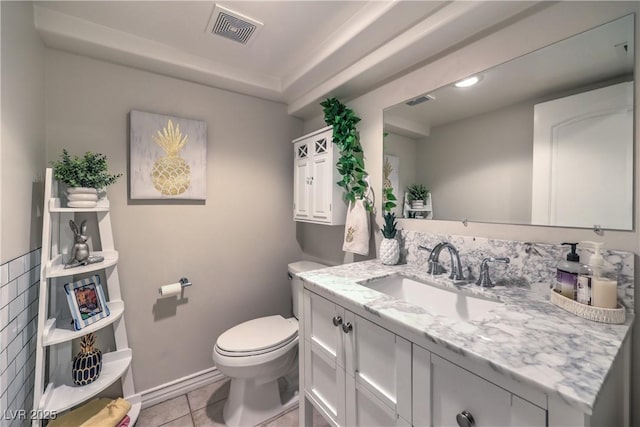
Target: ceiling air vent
[[420, 100], [233, 25]]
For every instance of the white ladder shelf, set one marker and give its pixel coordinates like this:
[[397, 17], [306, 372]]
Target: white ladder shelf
[[54, 390]]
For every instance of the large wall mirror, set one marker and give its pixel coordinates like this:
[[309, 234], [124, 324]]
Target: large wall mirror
[[544, 139]]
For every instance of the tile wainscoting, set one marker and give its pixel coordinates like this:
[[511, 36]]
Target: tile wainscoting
[[19, 280]]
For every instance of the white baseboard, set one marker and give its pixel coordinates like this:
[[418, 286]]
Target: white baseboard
[[180, 386]]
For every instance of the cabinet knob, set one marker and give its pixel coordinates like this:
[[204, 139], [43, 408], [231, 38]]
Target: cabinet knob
[[465, 419], [337, 321], [347, 327]]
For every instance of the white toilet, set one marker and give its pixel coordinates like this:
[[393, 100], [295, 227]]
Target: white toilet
[[255, 354]]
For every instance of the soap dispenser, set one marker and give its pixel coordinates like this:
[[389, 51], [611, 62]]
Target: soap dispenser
[[599, 287], [568, 272]]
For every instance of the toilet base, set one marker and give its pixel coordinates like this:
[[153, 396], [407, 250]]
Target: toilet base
[[250, 404]]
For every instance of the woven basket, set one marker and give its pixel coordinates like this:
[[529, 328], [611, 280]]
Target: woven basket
[[597, 314]]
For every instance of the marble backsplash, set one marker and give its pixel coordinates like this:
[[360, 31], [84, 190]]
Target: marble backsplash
[[529, 262]]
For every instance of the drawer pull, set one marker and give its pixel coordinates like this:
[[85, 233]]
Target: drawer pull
[[337, 321], [347, 327], [465, 419]]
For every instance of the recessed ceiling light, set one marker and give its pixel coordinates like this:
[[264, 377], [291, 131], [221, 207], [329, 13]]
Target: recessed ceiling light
[[469, 81]]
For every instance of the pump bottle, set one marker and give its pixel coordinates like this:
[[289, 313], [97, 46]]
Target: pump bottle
[[567, 273], [598, 287]]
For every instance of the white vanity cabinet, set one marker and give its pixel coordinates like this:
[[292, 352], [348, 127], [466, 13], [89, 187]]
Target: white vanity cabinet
[[355, 372], [316, 196], [445, 394]]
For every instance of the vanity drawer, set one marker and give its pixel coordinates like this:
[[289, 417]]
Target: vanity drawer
[[455, 390]]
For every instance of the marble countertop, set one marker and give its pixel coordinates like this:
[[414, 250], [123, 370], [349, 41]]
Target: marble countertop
[[530, 340]]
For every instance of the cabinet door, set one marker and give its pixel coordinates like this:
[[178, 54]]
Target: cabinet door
[[301, 181], [322, 182], [364, 409], [324, 356], [378, 364], [455, 390]]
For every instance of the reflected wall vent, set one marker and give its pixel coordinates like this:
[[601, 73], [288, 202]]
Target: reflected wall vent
[[420, 100], [233, 25]]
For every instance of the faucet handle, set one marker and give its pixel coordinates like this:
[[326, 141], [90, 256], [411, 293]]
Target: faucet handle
[[485, 279], [484, 265], [424, 248]]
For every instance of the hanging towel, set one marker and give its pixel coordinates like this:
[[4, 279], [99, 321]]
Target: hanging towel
[[356, 229]]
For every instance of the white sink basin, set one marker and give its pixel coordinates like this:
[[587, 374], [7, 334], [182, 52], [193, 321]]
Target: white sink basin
[[453, 304]]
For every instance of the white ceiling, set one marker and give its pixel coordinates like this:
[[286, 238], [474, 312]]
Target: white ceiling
[[306, 51]]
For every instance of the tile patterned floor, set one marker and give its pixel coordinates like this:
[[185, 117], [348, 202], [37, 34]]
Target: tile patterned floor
[[203, 408]]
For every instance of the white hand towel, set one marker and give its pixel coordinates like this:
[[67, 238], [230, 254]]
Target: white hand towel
[[356, 229]]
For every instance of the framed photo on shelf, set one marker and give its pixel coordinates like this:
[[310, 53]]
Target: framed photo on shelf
[[86, 301]]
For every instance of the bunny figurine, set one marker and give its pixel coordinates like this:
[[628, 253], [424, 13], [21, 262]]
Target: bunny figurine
[[80, 250]]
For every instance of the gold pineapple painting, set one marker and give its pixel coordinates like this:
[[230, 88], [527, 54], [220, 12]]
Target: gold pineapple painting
[[168, 157], [171, 175]]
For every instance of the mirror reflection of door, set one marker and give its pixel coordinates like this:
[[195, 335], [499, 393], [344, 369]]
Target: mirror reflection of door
[[583, 159]]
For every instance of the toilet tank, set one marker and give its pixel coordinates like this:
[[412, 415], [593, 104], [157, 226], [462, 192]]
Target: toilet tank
[[296, 283]]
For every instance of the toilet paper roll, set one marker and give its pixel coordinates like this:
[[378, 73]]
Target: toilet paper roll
[[171, 290]]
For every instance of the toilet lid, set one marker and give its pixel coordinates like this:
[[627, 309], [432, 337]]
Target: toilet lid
[[258, 334]]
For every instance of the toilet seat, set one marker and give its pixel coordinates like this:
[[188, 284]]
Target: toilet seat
[[257, 336]]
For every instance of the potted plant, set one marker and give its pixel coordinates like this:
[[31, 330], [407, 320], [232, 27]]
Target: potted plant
[[390, 247], [417, 194], [84, 176]]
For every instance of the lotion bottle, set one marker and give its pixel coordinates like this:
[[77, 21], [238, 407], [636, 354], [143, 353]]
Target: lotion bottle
[[602, 282], [567, 273]]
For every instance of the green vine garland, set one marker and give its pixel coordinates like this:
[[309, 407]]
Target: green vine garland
[[351, 161]]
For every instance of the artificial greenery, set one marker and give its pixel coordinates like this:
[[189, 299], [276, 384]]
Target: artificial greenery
[[89, 171], [389, 230], [417, 192], [388, 198], [351, 161]]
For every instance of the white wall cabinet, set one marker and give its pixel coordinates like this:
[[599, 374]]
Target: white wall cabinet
[[356, 373], [316, 196]]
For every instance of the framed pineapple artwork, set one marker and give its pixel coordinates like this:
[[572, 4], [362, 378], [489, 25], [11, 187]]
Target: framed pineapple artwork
[[168, 157]]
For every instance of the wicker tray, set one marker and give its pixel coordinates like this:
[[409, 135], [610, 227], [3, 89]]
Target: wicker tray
[[597, 314]]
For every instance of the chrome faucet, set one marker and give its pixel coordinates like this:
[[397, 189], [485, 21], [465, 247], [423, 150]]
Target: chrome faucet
[[435, 268], [484, 279]]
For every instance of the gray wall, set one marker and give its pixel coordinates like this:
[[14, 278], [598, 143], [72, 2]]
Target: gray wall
[[490, 151], [22, 141], [21, 165], [543, 27], [234, 248]]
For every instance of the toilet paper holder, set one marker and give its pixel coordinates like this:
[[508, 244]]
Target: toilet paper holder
[[184, 282]]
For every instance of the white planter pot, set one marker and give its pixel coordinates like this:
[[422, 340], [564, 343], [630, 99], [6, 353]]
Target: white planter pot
[[417, 204], [389, 253], [81, 197]]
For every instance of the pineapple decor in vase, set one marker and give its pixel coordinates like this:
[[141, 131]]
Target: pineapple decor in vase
[[390, 247], [171, 175], [88, 363]]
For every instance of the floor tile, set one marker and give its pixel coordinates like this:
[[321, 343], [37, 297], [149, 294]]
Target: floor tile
[[185, 421], [211, 416], [208, 395], [288, 419], [164, 412]]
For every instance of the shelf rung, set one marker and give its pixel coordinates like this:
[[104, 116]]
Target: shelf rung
[[55, 333], [55, 205], [62, 395], [55, 267]]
